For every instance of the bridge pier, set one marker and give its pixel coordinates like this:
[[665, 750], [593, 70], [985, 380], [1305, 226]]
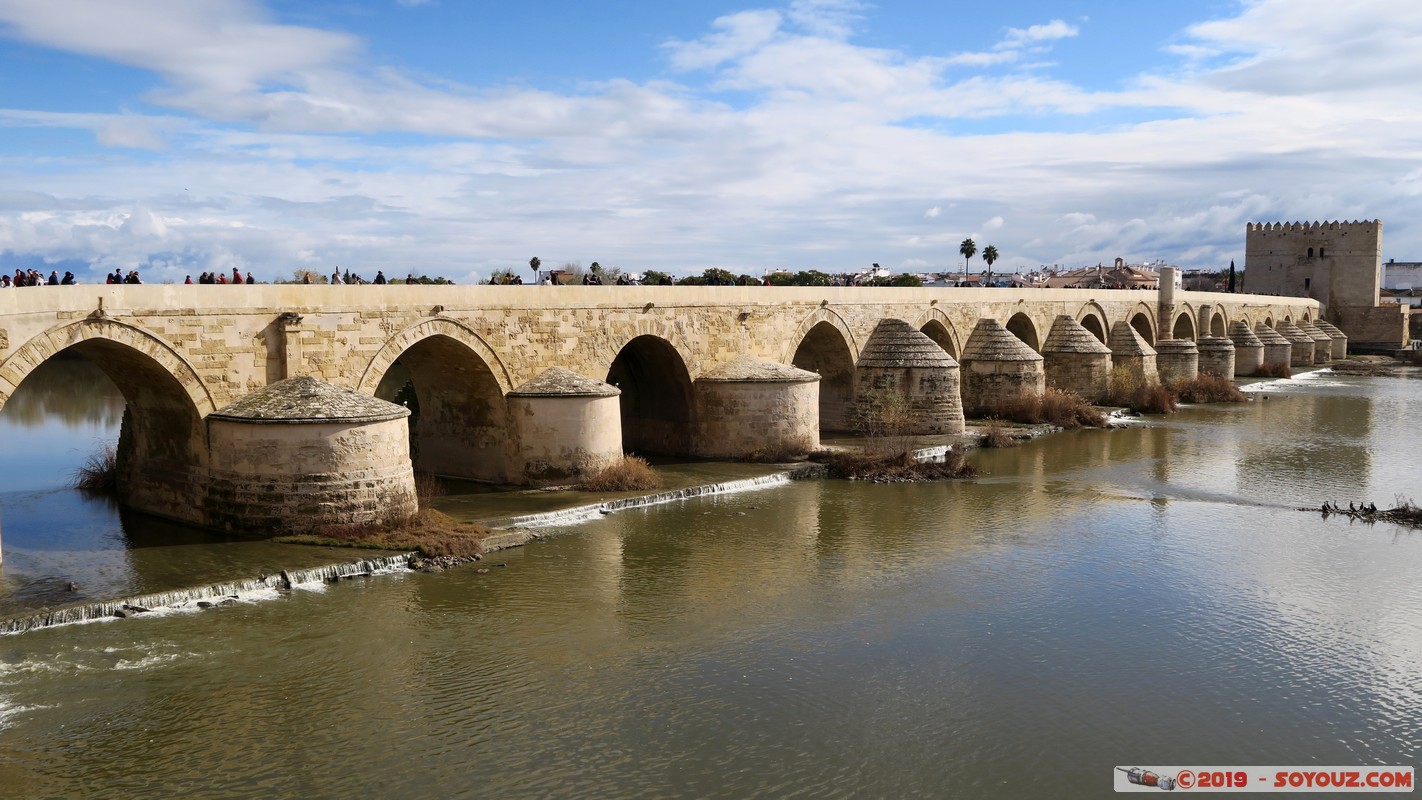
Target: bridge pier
[[563, 425], [751, 406], [1129, 351], [300, 456], [907, 384], [1075, 361], [998, 366]]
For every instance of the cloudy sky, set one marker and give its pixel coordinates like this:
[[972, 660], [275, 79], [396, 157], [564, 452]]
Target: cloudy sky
[[449, 137]]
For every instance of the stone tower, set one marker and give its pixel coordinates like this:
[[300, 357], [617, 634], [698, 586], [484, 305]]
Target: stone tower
[[1338, 264], [1335, 263]]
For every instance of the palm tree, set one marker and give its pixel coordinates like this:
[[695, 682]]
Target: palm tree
[[533, 264], [989, 255], [967, 248]]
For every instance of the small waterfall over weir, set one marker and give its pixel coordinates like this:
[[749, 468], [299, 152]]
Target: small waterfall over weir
[[572, 516], [204, 596]]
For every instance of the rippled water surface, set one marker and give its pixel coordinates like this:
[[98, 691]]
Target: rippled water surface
[[1131, 597]]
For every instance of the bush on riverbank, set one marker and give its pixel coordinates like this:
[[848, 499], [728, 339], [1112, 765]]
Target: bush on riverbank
[[885, 468], [1274, 370], [1130, 389], [1207, 388], [1054, 407], [995, 436], [781, 454], [631, 473], [99, 473]]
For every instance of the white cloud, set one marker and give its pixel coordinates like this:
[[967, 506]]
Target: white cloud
[[1021, 37], [734, 35], [824, 165], [832, 19]]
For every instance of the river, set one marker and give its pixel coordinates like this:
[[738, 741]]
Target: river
[[1132, 597]]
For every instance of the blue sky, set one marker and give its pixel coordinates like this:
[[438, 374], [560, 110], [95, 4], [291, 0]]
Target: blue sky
[[454, 138]]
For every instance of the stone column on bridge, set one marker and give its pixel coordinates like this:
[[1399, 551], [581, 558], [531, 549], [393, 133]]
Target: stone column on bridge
[[998, 366], [907, 384], [1165, 304], [1248, 349], [1203, 319], [1076, 361], [751, 406], [299, 455], [564, 425], [289, 323]]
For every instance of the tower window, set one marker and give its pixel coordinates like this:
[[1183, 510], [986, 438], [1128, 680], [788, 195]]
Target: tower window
[[1310, 252]]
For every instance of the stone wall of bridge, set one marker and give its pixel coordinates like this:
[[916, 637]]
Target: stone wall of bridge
[[179, 353], [238, 339]]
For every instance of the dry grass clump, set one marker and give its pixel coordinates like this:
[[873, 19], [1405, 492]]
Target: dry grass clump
[[1207, 388], [995, 435], [427, 487], [99, 473], [1274, 370], [1360, 368], [900, 468], [783, 453], [430, 533], [630, 473], [1130, 390], [1055, 407]]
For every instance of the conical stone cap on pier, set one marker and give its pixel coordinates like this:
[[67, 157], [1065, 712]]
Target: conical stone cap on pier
[[561, 382], [895, 343], [990, 341], [1242, 336], [1314, 332], [306, 400], [1127, 341], [1068, 336], [1269, 336]]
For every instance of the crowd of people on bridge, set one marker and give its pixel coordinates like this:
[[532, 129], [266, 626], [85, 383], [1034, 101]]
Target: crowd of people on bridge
[[221, 278], [33, 277]]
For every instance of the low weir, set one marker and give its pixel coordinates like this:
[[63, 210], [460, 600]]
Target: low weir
[[203, 596]]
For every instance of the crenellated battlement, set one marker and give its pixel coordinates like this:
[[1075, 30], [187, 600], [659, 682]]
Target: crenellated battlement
[[1365, 226]]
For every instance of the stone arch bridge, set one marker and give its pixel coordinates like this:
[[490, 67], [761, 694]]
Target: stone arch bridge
[[180, 353]]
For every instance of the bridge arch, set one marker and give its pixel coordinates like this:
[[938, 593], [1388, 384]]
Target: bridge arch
[[1022, 326], [454, 385], [936, 325], [163, 444], [1142, 318], [1093, 318], [657, 403], [1184, 326], [451, 329], [1219, 322], [824, 344]]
